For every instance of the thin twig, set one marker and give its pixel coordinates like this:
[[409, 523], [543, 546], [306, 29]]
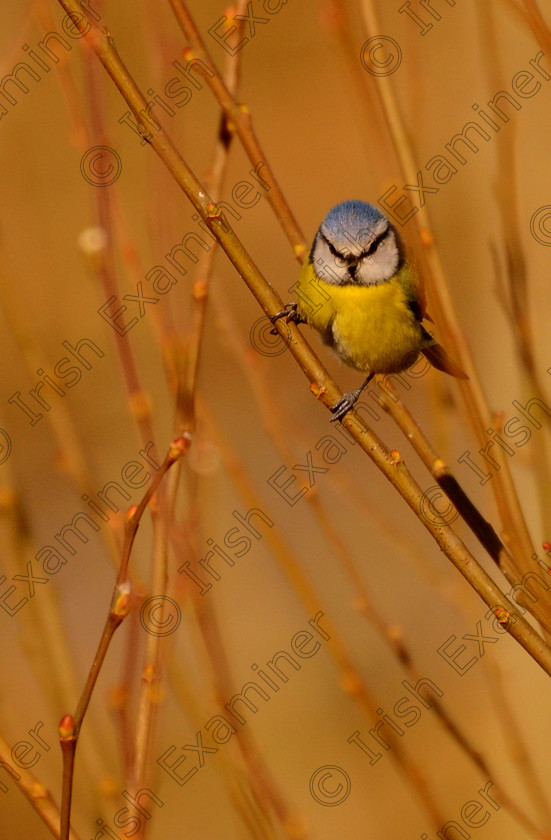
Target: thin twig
[[40, 798], [120, 606], [240, 119]]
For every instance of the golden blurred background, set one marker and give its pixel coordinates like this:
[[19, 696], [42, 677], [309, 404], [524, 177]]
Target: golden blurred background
[[66, 233]]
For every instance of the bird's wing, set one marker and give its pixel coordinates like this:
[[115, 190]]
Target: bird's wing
[[438, 357], [433, 351]]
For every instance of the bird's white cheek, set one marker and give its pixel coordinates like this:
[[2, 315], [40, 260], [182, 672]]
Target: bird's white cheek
[[387, 262], [378, 268]]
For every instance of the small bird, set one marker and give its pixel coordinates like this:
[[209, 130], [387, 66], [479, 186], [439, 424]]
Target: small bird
[[357, 288]]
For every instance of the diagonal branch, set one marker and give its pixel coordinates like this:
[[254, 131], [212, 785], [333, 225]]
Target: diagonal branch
[[323, 387]]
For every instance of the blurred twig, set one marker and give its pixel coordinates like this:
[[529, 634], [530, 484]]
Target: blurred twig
[[518, 537], [351, 680], [261, 787], [515, 297]]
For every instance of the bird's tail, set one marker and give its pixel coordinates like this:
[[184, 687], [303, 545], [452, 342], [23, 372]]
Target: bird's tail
[[438, 357]]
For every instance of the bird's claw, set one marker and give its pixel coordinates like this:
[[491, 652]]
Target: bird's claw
[[289, 312], [343, 406]]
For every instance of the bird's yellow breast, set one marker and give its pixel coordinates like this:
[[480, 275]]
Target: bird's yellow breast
[[371, 328]]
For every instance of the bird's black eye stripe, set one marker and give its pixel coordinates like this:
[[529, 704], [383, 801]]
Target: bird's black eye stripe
[[333, 249], [375, 244], [348, 257]]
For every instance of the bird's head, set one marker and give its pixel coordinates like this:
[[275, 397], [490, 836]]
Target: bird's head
[[356, 245]]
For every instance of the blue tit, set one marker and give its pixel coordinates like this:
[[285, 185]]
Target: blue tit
[[357, 288]]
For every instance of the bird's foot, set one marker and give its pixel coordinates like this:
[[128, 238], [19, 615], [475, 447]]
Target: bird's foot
[[343, 406], [290, 313]]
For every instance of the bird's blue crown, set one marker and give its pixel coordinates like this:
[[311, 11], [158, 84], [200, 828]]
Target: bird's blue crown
[[353, 221]]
